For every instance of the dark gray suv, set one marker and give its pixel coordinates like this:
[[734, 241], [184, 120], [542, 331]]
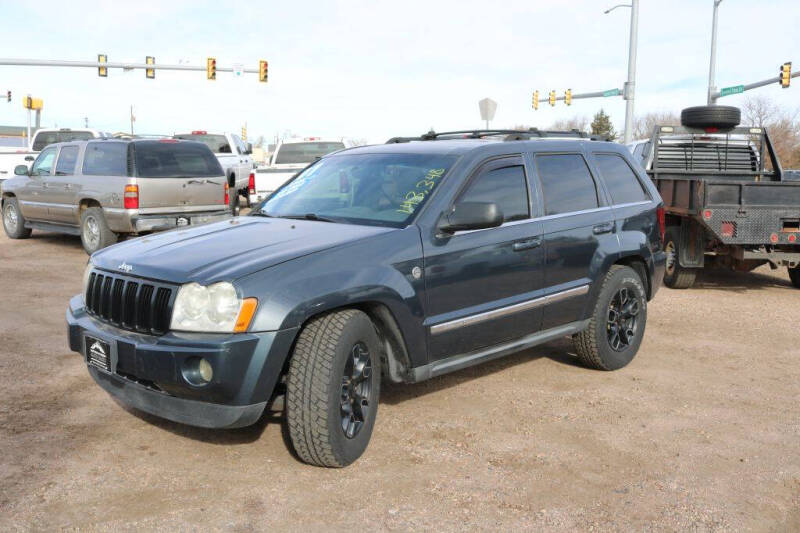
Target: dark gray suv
[[401, 262]]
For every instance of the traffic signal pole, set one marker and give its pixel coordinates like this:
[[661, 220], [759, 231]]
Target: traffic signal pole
[[737, 89], [110, 64], [712, 67], [630, 85]]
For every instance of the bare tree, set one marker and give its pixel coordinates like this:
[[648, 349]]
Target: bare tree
[[759, 111], [578, 122], [643, 125], [783, 126]]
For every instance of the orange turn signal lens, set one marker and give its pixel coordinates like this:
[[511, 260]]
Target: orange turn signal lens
[[246, 314]]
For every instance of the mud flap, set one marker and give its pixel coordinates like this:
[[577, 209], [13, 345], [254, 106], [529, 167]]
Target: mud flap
[[692, 246]]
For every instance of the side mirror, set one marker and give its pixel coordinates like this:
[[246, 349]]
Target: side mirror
[[249, 148], [21, 170], [471, 215]]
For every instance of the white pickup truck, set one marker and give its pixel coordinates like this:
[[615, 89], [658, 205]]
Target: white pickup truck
[[290, 157], [233, 154], [10, 157]]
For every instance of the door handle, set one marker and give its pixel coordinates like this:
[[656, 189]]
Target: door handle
[[527, 245], [68, 186], [605, 227]]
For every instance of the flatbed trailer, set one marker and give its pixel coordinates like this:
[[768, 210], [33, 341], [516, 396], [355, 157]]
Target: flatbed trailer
[[726, 202]]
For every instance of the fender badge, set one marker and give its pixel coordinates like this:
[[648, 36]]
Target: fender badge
[[125, 267], [416, 272]]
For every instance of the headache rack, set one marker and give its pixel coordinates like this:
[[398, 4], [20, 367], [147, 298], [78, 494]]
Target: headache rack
[[506, 135], [742, 152]]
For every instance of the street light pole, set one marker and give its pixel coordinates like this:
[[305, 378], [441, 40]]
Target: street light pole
[[630, 85], [713, 62]]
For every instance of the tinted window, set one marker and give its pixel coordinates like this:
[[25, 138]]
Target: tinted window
[[304, 152], [175, 160], [567, 183], [106, 159], [44, 163], [504, 186], [66, 161], [620, 180], [217, 143], [50, 137]]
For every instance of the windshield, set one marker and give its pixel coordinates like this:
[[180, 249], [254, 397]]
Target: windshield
[[159, 159], [293, 153], [217, 143], [373, 189]]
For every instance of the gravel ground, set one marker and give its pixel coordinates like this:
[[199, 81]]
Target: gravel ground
[[700, 432]]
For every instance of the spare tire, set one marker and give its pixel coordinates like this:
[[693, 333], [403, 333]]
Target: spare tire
[[711, 116]]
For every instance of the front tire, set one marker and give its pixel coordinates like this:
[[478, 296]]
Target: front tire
[[333, 388], [676, 276], [95, 233], [13, 221], [616, 327]]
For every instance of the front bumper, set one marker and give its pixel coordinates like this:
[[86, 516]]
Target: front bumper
[[149, 372]]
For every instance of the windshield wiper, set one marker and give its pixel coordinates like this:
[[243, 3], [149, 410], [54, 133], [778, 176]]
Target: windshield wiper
[[309, 216]]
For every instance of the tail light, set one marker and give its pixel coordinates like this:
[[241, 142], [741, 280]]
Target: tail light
[[227, 198], [251, 184], [662, 223], [131, 197]]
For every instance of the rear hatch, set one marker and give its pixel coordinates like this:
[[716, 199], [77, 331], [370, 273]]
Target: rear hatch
[[178, 176]]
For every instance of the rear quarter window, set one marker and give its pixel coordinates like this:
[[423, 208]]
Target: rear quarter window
[[175, 160], [106, 159], [622, 183]]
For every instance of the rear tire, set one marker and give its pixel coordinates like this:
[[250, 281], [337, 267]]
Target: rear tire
[[616, 327], [95, 233], [333, 388], [676, 276], [711, 116], [794, 275], [13, 221]]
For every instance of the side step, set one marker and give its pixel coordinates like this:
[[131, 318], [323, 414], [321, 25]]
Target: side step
[[58, 228], [461, 361]]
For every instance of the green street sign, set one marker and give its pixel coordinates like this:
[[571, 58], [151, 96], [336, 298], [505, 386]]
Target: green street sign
[[736, 89], [612, 92]]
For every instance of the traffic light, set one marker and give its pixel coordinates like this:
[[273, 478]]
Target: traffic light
[[552, 98], [102, 71], [150, 72], [8, 95], [244, 133], [262, 71], [535, 99], [211, 68], [786, 74], [568, 97]]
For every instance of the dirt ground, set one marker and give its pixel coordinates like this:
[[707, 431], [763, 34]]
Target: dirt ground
[[701, 431]]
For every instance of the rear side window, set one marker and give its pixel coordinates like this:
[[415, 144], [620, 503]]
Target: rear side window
[[175, 160], [66, 161], [106, 159], [567, 184], [504, 186], [622, 183]]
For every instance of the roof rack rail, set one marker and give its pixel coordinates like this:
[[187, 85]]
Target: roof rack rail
[[510, 135]]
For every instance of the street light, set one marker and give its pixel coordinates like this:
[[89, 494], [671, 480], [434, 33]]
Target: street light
[[713, 62], [630, 85]]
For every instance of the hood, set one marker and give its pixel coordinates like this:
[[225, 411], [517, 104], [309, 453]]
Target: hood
[[226, 250]]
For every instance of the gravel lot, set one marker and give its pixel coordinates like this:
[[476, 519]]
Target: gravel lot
[[701, 431]]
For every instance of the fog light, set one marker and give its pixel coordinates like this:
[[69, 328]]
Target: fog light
[[205, 370]]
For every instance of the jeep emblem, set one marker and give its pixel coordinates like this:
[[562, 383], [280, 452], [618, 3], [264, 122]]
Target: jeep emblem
[[125, 267]]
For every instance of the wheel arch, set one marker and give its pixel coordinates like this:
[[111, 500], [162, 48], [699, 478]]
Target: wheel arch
[[86, 203], [639, 265]]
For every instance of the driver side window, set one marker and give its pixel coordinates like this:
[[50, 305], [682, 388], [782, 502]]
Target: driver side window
[[43, 165]]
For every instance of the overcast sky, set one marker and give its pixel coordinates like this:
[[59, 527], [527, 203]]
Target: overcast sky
[[372, 69]]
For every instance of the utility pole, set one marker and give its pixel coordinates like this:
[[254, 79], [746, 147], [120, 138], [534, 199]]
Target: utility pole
[[133, 119], [29, 121], [712, 99]]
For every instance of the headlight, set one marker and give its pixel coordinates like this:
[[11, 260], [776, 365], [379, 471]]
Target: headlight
[[214, 309], [86, 273]]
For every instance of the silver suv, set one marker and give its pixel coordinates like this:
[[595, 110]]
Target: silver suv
[[99, 189]]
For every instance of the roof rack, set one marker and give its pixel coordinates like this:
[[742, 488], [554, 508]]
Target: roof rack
[[510, 135]]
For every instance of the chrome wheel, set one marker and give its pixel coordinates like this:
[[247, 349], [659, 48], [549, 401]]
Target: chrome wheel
[[91, 232], [672, 257], [11, 218], [623, 313], [356, 387]]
